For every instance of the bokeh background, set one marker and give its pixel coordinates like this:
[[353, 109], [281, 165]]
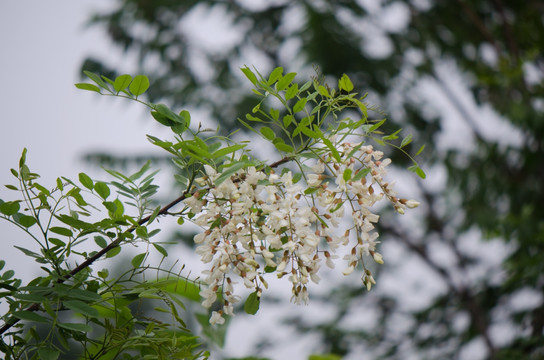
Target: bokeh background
[[464, 275]]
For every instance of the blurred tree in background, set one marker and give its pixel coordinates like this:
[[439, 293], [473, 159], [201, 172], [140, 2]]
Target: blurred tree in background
[[466, 78]]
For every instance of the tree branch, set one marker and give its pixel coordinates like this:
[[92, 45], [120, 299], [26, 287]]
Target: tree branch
[[117, 242]]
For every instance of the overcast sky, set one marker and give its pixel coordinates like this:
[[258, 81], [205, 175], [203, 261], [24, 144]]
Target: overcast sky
[[43, 45]]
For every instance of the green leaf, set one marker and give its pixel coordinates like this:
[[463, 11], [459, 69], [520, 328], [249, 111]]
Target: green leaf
[[41, 189], [300, 105], [102, 190], [250, 75], [185, 288], [139, 85], [323, 91], [329, 144], [122, 82], [76, 327], [268, 133], [156, 212], [306, 131], [97, 79], [48, 353], [113, 252], [345, 83], [107, 79], [86, 181], [415, 168], [26, 220], [88, 87], [141, 232], [253, 118], [251, 306], [361, 174], [138, 174], [275, 114], [227, 150], [420, 150], [306, 86], [275, 75], [186, 116], [285, 81], [392, 136], [81, 308], [75, 293], [137, 260], [291, 92], [406, 140], [60, 186], [347, 174], [30, 316], [284, 147], [27, 253], [160, 249], [57, 242], [362, 107], [10, 208], [287, 120], [100, 241], [61, 231], [31, 297], [325, 357], [376, 126], [165, 110]]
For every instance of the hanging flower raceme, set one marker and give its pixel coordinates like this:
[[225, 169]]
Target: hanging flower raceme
[[256, 223]]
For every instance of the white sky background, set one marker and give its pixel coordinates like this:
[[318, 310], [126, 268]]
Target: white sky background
[[42, 46]]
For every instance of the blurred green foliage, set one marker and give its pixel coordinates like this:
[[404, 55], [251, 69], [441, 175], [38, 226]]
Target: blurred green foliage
[[492, 188]]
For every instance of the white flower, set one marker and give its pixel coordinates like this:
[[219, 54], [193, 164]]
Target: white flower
[[209, 296], [253, 176], [349, 270], [378, 257], [210, 171], [194, 203], [216, 318], [313, 180], [318, 168]]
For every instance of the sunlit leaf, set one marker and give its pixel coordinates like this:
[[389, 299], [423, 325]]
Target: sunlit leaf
[[139, 85], [275, 75], [345, 83], [407, 140], [250, 75], [268, 133], [285, 81], [89, 87], [122, 82]]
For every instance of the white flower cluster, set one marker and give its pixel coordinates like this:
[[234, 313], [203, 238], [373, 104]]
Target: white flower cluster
[[255, 223]]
